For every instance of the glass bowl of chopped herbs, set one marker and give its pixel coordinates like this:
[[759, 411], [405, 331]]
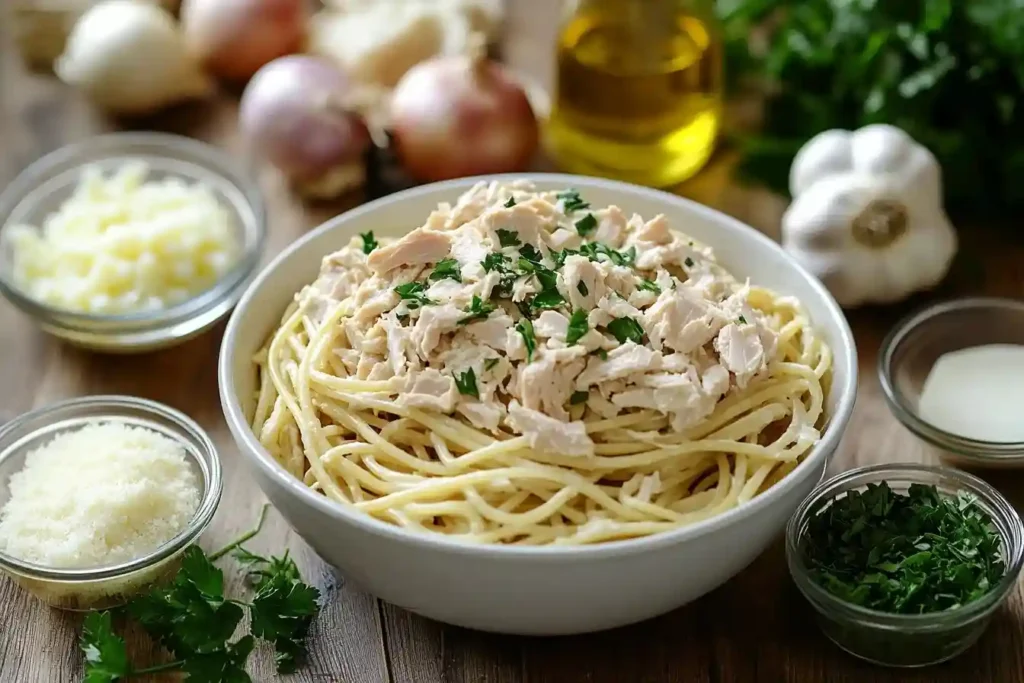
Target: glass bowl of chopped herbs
[[905, 564]]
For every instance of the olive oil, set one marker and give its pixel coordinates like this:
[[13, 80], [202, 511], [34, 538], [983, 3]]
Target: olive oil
[[638, 93]]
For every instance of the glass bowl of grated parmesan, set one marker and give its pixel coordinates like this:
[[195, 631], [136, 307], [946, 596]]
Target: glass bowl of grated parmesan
[[100, 496], [130, 241]]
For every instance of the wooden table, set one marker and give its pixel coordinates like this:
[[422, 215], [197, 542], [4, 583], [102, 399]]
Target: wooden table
[[755, 628]]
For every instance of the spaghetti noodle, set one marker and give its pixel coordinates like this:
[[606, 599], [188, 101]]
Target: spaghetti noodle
[[366, 397]]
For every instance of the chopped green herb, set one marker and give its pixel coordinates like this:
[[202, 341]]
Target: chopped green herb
[[413, 294], [478, 310], [466, 384], [743, 321], [602, 354], [688, 262], [549, 298], [446, 268], [649, 285], [525, 328], [369, 242], [620, 258], [510, 203], [490, 363], [581, 287], [499, 263], [495, 261], [571, 200], [508, 238], [626, 329], [578, 397], [912, 553], [578, 326], [526, 307], [529, 252], [586, 225], [559, 256]]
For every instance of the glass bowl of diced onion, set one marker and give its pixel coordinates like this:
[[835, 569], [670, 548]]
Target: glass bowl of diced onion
[[129, 242], [81, 585]]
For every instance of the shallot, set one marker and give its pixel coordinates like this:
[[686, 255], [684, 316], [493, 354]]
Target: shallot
[[296, 113], [234, 38], [462, 115]]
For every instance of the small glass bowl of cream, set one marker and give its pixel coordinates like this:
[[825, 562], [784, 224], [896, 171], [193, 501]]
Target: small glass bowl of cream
[[129, 242], [103, 584], [953, 374], [901, 639]]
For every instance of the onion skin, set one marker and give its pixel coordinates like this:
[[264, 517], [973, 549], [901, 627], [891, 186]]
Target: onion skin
[[293, 114], [461, 116], [232, 39]]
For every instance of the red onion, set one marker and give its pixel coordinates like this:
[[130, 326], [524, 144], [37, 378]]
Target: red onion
[[234, 38], [293, 113], [460, 116]]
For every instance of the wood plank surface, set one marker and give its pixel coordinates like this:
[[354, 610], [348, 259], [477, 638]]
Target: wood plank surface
[[756, 628]]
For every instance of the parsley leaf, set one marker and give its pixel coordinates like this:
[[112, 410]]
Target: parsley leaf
[[499, 263], [593, 250], [478, 310], [602, 354], [508, 238], [578, 326], [626, 329], [743, 321], [549, 298], [495, 261], [510, 203], [529, 252], [413, 294], [571, 200], [466, 384], [586, 225], [559, 256], [222, 666], [490, 363], [369, 241], [578, 397], [525, 328], [649, 285], [106, 657], [446, 268], [688, 262], [581, 287]]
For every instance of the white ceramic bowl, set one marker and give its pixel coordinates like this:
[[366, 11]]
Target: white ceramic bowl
[[522, 590]]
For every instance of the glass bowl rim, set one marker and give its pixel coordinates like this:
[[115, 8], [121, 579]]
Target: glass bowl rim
[[827, 603], [102, 148], [201, 518], [969, 449]]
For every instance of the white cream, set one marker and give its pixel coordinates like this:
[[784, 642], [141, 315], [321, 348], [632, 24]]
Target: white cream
[[977, 393]]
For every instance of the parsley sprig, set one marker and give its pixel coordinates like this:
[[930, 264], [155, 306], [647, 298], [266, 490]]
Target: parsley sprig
[[414, 294], [369, 241], [195, 621], [578, 327], [446, 268], [910, 553], [478, 310], [626, 329]]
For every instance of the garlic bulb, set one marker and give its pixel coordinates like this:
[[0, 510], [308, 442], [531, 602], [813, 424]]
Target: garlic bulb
[[128, 57]]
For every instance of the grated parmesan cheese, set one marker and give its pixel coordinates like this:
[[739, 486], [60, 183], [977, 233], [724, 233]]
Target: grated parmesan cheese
[[101, 495], [124, 244]]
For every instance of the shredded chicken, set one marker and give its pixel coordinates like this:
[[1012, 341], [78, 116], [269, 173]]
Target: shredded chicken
[[525, 312]]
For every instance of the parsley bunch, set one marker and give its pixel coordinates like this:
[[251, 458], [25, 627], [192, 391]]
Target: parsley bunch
[[910, 554], [195, 622]]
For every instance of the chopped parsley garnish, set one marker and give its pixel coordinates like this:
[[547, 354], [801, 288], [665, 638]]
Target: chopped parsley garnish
[[907, 553], [688, 262], [466, 384], [743, 321], [495, 261], [508, 238], [549, 298], [581, 287], [649, 285], [578, 326], [510, 203], [559, 256], [571, 200], [478, 310], [578, 397], [525, 328], [530, 253], [446, 268], [620, 258], [369, 242], [413, 294], [602, 354], [626, 329], [490, 363], [586, 225], [526, 307]]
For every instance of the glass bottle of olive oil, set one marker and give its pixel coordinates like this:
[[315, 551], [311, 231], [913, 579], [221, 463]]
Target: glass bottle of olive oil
[[639, 90]]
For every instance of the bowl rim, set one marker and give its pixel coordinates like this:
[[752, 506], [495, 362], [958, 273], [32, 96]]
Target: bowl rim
[[101, 148], [826, 602], [968, 449], [844, 353], [201, 518]]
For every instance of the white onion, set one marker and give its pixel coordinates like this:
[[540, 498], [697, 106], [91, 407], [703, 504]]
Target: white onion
[[293, 113], [234, 38], [459, 116]]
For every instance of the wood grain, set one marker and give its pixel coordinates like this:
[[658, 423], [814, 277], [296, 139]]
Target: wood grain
[[756, 628]]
